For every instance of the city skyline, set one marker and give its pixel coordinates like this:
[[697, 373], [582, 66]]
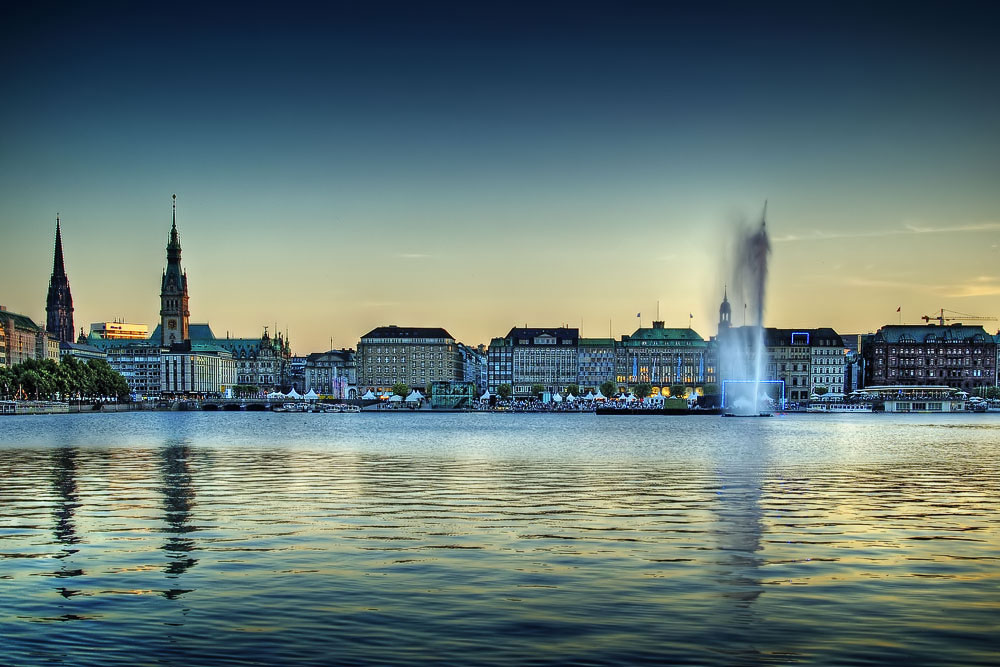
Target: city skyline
[[485, 168]]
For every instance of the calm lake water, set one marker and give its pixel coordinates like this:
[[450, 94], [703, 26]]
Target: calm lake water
[[258, 538]]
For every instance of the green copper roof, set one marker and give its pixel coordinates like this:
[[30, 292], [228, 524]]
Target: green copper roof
[[664, 334], [597, 342], [20, 321]]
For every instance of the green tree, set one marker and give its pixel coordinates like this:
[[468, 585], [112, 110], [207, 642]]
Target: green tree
[[819, 391], [711, 389], [573, 389], [504, 391], [677, 390], [6, 382], [642, 390], [428, 389], [401, 389], [609, 388], [536, 390]]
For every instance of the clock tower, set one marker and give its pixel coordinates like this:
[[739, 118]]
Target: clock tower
[[174, 314]]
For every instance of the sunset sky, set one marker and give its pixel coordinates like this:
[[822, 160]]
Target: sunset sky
[[477, 165]]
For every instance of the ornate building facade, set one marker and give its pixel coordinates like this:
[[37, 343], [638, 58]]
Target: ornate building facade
[[959, 356], [661, 357], [59, 303], [174, 313]]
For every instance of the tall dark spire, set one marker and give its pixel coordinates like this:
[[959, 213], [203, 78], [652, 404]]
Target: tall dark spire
[[58, 263], [59, 303], [174, 312]]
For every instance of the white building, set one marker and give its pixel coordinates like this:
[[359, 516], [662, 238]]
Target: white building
[[197, 371]]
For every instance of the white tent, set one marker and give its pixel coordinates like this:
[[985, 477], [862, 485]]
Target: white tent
[[417, 392], [486, 396], [556, 398], [385, 396], [396, 398], [630, 397], [292, 394], [590, 396], [570, 397], [311, 395], [369, 396], [413, 397], [276, 394], [600, 396]]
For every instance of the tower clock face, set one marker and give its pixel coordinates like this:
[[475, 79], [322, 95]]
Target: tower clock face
[[171, 324]]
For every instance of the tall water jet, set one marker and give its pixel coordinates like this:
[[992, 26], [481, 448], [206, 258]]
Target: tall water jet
[[742, 354]]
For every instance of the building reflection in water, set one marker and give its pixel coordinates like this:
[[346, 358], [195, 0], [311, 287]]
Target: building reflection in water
[[178, 501], [67, 494]]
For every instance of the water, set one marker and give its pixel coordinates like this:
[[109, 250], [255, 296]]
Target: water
[[256, 538]]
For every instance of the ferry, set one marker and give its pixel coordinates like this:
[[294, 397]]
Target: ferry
[[840, 407]]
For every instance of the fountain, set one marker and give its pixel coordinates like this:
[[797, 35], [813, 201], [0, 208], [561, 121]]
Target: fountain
[[742, 353]]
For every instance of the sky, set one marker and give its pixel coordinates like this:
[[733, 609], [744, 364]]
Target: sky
[[478, 166]]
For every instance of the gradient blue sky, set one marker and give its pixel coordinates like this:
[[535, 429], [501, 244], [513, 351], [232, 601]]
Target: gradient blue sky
[[474, 166]]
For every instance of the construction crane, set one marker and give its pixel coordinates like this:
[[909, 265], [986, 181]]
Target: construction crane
[[942, 318]]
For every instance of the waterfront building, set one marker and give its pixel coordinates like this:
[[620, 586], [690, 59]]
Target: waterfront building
[[136, 361], [174, 312], [661, 357], [21, 338], [804, 360], [499, 364], [81, 351], [196, 370], [540, 356], [3, 345], [120, 330], [595, 362], [260, 362], [918, 398], [474, 360], [332, 373], [59, 302], [828, 361], [958, 356], [414, 356], [295, 373]]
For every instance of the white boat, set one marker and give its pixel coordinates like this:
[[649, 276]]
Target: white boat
[[839, 407]]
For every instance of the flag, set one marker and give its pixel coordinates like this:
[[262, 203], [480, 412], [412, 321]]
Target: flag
[[899, 310], [690, 316], [638, 314]]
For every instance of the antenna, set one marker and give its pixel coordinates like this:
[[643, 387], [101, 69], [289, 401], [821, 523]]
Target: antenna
[[763, 217]]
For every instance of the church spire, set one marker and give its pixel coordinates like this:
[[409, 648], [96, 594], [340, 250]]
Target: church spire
[[175, 240], [59, 303], [58, 263]]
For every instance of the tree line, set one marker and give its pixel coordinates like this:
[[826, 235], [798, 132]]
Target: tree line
[[46, 379]]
